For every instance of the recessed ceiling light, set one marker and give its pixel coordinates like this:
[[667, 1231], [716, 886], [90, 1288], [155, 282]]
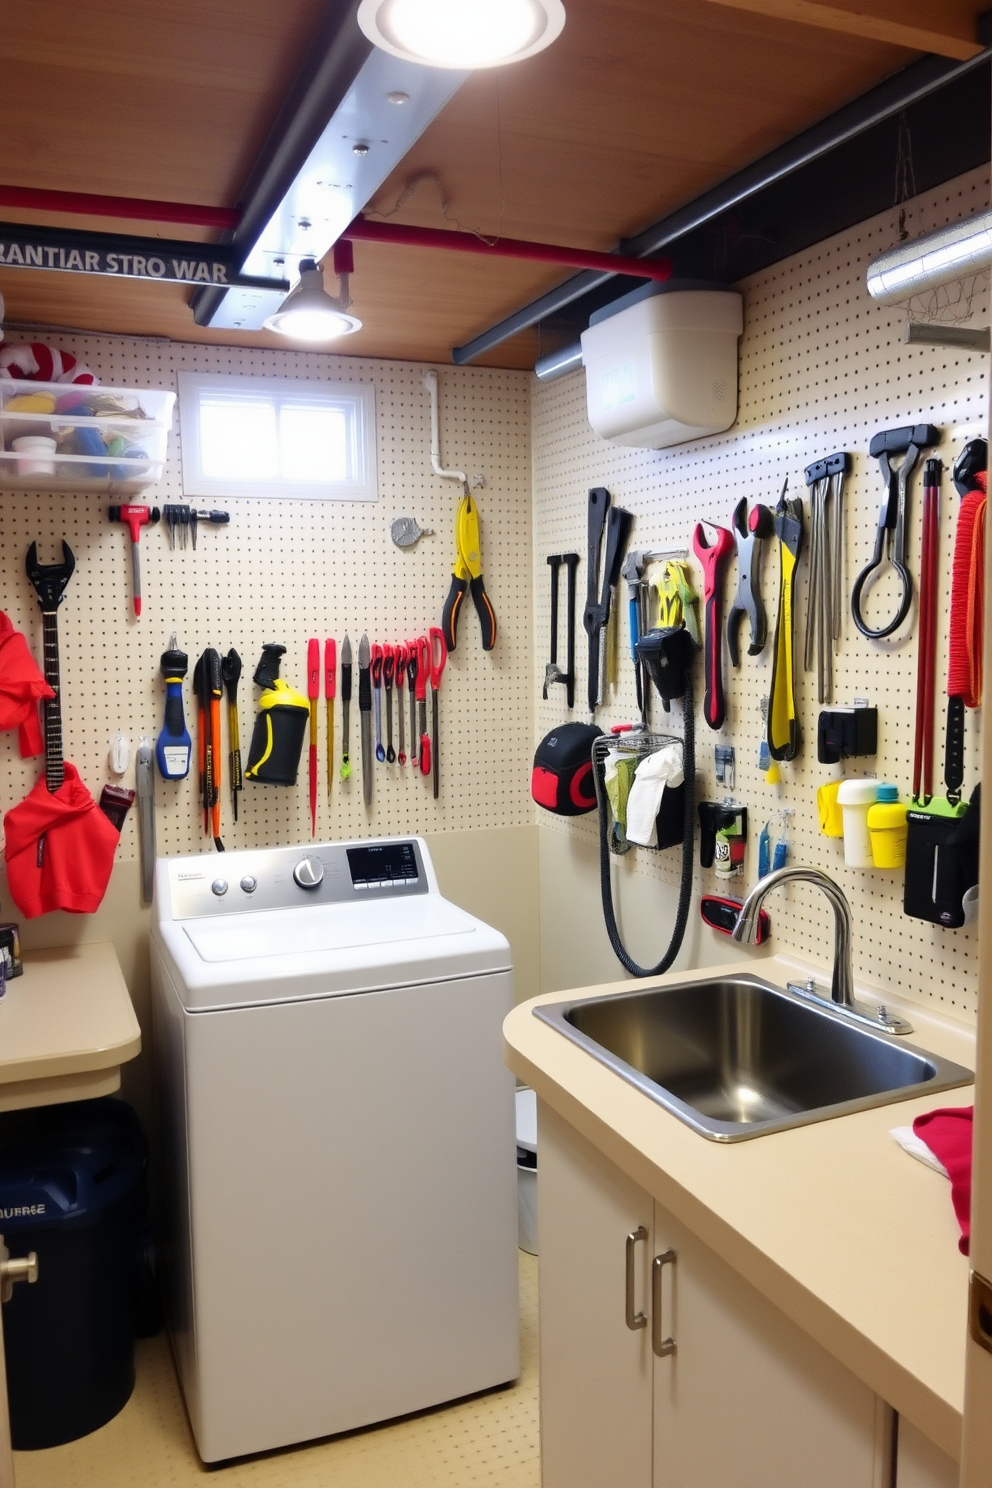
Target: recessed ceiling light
[[309, 313], [462, 33]]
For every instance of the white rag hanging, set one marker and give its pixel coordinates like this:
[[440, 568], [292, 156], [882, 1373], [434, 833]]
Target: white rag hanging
[[655, 773]]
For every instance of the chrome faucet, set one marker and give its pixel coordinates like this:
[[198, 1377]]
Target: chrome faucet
[[745, 932]]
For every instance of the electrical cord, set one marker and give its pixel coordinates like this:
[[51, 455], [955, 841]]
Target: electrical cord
[[688, 838]]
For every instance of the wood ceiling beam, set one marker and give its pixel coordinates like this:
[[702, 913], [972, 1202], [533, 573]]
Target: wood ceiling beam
[[921, 25]]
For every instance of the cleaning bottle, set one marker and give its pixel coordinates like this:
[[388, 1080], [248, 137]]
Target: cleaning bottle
[[887, 828], [280, 725]]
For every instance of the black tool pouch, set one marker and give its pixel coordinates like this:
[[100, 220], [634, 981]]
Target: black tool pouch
[[666, 655]]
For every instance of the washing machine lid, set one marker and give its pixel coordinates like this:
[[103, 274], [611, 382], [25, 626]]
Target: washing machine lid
[[330, 930]]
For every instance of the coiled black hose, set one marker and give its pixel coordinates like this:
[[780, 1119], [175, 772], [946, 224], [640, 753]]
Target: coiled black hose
[[688, 837]]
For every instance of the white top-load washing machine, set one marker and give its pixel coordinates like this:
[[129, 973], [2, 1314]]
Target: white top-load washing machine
[[339, 1241]]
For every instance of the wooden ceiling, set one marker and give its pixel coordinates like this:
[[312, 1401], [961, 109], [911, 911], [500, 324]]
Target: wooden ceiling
[[639, 106]]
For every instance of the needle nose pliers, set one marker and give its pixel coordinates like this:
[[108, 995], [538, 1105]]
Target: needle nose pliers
[[467, 571]]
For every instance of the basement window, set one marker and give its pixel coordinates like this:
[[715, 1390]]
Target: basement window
[[277, 437]]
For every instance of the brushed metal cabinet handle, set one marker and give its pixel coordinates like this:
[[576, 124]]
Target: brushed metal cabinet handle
[[633, 1319], [661, 1346]]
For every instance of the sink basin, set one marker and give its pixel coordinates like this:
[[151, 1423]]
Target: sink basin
[[736, 1058]]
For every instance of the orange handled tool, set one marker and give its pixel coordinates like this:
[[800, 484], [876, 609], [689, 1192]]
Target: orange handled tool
[[439, 655], [313, 693], [330, 685], [423, 675], [216, 677]]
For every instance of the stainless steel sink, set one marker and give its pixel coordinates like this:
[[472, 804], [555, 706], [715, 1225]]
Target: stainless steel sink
[[736, 1058]]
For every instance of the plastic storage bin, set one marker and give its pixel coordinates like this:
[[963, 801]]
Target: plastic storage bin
[[107, 440], [527, 1171], [72, 1188]]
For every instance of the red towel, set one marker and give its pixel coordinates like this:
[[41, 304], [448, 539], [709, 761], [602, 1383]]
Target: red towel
[[948, 1133], [70, 869], [21, 689]]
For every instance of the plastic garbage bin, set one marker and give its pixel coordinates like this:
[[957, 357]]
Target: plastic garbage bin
[[72, 1188], [527, 1171]]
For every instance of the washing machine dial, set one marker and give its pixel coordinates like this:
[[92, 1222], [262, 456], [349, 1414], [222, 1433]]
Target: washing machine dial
[[308, 873]]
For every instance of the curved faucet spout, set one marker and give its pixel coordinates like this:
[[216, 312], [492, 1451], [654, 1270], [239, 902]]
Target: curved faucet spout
[[745, 931]]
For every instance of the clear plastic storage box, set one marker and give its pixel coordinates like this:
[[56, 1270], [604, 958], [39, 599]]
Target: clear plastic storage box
[[57, 436]]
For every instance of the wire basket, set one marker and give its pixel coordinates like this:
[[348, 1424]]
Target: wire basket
[[637, 744]]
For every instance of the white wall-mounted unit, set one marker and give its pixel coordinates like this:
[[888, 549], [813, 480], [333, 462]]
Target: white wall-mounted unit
[[661, 365]]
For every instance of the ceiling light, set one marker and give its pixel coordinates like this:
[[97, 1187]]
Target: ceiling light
[[954, 252], [462, 33], [309, 313]]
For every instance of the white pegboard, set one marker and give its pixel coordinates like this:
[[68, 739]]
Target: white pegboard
[[821, 369], [284, 571]]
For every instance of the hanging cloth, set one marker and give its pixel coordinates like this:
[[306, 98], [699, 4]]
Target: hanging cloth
[[59, 849], [22, 687], [964, 672]]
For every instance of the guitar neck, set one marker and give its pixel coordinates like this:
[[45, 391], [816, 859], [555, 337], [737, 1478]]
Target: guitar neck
[[54, 764]]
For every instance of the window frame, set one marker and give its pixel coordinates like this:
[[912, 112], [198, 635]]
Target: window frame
[[358, 399]]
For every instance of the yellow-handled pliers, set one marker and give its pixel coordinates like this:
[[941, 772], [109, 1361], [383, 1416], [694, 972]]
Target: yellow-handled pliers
[[467, 572]]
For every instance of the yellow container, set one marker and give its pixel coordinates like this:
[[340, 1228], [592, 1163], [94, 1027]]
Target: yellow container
[[887, 829], [831, 816]]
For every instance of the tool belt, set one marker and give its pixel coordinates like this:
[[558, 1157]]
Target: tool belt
[[277, 738], [562, 779]]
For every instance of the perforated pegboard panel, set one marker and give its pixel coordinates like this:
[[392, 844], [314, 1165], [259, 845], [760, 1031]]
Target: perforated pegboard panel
[[821, 369], [287, 570]]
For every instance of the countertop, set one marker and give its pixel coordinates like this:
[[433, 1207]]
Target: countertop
[[832, 1222], [66, 1027]]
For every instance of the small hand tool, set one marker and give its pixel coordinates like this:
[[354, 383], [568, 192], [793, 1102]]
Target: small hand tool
[[412, 668], [597, 616], [926, 658], [201, 741], [784, 733], [345, 709], [468, 570], [402, 657], [825, 479], [181, 522], [552, 671], [597, 511], [890, 539], [174, 745], [388, 672], [330, 682], [230, 669], [713, 557], [634, 568], [439, 655], [215, 684], [689, 598], [144, 780], [750, 529], [49, 582], [365, 715], [313, 694], [134, 518], [423, 676], [380, 753]]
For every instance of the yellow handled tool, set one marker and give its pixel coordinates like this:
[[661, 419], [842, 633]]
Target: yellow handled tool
[[467, 572], [784, 733]]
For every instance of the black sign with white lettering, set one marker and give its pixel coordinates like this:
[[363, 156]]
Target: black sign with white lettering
[[124, 257]]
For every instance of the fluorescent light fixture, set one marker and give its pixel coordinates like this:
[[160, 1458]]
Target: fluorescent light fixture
[[954, 252], [309, 313], [462, 33]]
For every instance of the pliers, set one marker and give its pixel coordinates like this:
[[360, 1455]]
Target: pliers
[[750, 529], [468, 570]]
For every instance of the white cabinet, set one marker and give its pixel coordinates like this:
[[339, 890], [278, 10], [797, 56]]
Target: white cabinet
[[715, 1389], [921, 1464]]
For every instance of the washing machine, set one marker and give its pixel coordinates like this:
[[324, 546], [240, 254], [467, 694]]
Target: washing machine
[[339, 1226]]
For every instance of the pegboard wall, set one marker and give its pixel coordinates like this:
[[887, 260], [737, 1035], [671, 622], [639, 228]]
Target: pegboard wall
[[284, 571], [821, 369]]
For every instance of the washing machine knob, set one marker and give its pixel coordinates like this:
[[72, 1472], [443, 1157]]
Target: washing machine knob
[[308, 873]]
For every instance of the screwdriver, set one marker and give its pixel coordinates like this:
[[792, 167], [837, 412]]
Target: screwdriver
[[313, 693], [345, 708], [330, 670], [231, 673], [174, 747], [423, 676], [365, 714]]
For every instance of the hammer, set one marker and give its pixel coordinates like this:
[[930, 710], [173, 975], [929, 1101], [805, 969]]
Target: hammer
[[135, 517]]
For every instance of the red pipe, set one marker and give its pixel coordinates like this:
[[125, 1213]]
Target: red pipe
[[84, 204], [363, 229]]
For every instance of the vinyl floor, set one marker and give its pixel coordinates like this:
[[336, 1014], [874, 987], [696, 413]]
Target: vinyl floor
[[488, 1441]]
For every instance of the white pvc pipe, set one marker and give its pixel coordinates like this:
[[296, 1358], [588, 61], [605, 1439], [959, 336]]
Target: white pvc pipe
[[954, 252], [430, 383]]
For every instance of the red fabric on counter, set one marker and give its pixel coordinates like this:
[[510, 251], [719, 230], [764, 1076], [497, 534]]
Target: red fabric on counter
[[22, 687], [71, 869], [948, 1134]]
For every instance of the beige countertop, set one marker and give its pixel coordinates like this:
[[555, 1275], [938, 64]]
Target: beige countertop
[[66, 1027], [833, 1222]]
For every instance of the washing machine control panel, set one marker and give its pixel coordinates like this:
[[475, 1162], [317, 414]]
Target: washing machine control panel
[[296, 877]]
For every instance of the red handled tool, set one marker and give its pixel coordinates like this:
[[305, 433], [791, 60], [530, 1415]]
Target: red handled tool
[[438, 655], [713, 557], [313, 693], [330, 682], [423, 675], [388, 672], [134, 518], [412, 669], [376, 671], [926, 658], [215, 677], [402, 657]]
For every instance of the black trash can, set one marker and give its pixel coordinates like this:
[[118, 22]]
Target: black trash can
[[73, 1189]]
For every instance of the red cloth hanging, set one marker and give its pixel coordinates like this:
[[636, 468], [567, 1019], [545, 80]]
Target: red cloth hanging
[[22, 687], [964, 670], [59, 849], [948, 1134]]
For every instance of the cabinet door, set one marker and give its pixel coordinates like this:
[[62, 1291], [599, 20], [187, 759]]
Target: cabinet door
[[595, 1370], [921, 1464], [747, 1400]]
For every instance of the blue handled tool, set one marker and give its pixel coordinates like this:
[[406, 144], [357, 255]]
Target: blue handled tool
[[174, 747]]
